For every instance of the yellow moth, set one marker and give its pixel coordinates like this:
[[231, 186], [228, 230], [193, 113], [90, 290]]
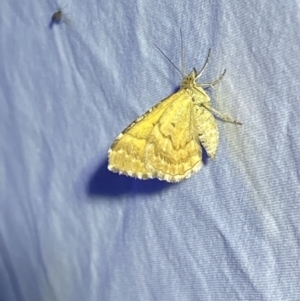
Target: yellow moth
[[165, 143]]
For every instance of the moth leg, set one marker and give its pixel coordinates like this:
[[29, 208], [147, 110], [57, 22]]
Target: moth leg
[[215, 82], [220, 115], [67, 21]]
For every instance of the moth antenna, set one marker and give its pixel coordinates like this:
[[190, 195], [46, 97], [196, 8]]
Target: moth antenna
[[182, 52], [169, 60]]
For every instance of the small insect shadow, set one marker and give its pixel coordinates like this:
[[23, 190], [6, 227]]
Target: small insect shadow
[[105, 182]]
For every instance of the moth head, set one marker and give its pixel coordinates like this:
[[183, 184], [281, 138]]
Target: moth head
[[189, 81]]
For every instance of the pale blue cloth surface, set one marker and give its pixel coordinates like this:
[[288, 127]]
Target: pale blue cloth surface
[[72, 230]]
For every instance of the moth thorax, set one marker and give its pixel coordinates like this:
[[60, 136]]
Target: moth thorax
[[200, 95]]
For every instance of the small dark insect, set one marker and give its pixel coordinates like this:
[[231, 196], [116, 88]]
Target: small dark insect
[[56, 17], [59, 16]]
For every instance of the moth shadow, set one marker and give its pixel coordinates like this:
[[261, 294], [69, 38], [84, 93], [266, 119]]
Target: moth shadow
[[204, 156], [105, 182]]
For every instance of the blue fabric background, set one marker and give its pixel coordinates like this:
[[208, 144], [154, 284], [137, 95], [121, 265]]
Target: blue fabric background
[[72, 230]]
